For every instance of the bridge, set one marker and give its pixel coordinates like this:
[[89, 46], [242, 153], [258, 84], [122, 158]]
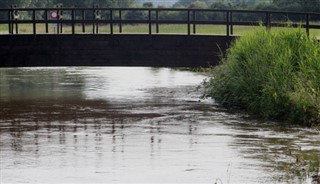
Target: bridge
[[161, 37]]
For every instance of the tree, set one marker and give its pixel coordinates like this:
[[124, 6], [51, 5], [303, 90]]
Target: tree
[[298, 5], [198, 4], [266, 6], [183, 3], [19, 3], [147, 5], [219, 5]]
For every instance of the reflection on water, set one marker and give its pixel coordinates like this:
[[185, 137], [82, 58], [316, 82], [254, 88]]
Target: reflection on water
[[118, 125]]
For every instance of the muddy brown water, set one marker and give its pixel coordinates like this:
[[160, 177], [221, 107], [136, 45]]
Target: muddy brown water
[[139, 125]]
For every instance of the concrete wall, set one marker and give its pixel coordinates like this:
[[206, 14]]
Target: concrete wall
[[112, 50]]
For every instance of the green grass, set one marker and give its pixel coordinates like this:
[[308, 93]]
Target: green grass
[[273, 74], [143, 28]]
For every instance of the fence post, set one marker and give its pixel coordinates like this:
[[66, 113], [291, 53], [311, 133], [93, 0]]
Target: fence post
[[308, 24]]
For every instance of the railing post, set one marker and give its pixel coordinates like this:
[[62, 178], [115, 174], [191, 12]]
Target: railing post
[[188, 20], [96, 17], [46, 20], [228, 23], [17, 28], [120, 21], [60, 17], [94, 21], [157, 19], [231, 24], [83, 19], [111, 22], [34, 22], [194, 20], [268, 21], [9, 24], [150, 24], [58, 22], [72, 17], [15, 17], [308, 24]]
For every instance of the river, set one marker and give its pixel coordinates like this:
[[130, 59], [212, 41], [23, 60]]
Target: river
[[139, 125]]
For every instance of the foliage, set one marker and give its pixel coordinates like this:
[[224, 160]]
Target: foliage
[[273, 74], [147, 5], [288, 5], [66, 3], [284, 5]]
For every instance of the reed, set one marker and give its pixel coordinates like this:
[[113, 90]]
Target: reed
[[273, 74]]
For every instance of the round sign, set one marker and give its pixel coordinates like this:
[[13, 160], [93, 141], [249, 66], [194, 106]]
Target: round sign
[[53, 14]]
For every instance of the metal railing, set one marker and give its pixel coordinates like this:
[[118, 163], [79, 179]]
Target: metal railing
[[153, 17]]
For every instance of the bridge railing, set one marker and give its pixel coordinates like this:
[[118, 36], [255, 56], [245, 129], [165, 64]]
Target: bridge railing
[[11, 19]]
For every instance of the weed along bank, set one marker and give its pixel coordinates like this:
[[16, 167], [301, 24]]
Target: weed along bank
[[275, 75]]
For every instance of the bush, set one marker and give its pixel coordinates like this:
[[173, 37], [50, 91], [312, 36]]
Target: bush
[[273, 74]]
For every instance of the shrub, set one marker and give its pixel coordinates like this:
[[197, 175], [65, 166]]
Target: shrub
[[273, 74]]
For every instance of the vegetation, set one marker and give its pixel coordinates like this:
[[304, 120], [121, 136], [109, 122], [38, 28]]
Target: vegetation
[[273, 74], [289, 5], [66, 3]]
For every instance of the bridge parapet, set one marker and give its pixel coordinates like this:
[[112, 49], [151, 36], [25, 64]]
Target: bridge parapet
[[117, 18], [86, 45]]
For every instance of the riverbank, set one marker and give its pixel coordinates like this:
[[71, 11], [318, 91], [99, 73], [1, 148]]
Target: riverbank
[[275, 75]]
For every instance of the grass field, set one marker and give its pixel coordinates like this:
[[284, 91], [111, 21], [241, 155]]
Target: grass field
[[143, 28]]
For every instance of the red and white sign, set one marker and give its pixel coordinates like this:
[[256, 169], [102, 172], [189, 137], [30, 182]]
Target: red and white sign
[[54, 15]]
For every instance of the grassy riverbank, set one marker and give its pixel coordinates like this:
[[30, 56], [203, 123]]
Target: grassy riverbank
[[273, 74]]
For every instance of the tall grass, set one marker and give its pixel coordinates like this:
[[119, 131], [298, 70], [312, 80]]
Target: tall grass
[[273, 74]]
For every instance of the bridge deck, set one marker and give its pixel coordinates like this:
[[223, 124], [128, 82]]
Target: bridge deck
[[112, 50]]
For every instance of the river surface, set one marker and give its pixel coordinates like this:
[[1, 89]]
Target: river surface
[[139, 125]]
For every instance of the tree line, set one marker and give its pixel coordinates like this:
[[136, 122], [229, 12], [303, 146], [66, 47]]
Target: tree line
[[66, 3], [283, 5], [280, 5]]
